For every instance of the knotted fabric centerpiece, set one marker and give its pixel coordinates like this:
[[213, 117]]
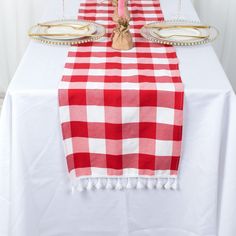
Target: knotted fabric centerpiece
[[121, 111], [121, 36]]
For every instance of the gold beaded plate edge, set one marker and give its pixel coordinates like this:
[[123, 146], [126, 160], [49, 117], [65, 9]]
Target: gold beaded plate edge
[[179, 33], [36, 31]]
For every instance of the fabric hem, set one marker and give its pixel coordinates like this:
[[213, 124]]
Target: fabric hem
[[121, 183]]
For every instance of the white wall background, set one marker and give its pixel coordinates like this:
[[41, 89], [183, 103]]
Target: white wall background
[[222, 13], [16, 16]]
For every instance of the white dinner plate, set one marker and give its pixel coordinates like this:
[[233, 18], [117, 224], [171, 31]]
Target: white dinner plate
[[69, 28], [180, 33], [66, 32]]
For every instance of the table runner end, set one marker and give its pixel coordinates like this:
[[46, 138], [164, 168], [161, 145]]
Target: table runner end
[[123, 183]]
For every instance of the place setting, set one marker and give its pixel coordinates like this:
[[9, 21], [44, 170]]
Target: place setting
[[66, 31], [179, 31]]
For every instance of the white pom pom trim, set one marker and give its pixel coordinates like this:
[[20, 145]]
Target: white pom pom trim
[[129, 184], [119, 183], [140, 185]]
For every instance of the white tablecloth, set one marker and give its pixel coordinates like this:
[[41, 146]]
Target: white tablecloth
[[34, 193]]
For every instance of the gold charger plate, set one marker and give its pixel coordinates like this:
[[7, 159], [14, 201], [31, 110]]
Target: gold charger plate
[[179, 33], [66, 32]]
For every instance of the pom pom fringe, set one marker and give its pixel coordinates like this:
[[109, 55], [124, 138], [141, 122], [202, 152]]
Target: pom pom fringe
[[129, 184], [120, 183], [109, 184], [90, 185]]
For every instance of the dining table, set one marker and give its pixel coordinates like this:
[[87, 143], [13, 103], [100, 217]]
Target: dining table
[[35, 199]]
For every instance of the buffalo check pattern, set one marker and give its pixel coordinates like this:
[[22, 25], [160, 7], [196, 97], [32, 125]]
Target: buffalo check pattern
[[121, 112]]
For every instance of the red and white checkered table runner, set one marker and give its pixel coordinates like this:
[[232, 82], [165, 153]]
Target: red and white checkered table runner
[[121, 112]]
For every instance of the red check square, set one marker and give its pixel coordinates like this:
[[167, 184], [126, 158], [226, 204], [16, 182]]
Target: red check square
[[148, 98]]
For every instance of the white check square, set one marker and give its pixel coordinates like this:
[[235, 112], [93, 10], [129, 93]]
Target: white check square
[[64, 114], [128, 60], [130, 114], [98, 171], [68, 146], [164, 148], [130, 72], [162, 73], [165, 115], [95, 114], [130, 172], [97, 60], [94, 85], [166, 86], [130, 146], [96, 72], [97, 145], [130, 86]]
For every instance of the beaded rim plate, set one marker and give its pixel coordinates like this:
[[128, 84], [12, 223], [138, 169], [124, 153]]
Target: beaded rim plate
[[96, 30], [68, 27], [179, 33]]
